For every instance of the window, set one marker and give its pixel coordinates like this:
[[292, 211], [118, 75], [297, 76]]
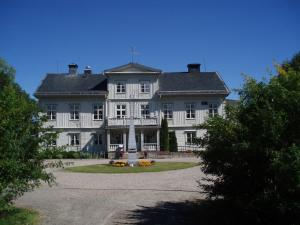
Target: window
[[212, 109], [74, 139], [98, 112], [145, 87], [52, 141], [121, 111], [168, 111], [190, 111], [204, 103], [97, 138], [121, 87], [74, 111], [51, 112], [190, 137], [145, 112]]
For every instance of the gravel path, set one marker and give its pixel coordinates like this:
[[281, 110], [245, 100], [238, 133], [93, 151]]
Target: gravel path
[[96, 199]]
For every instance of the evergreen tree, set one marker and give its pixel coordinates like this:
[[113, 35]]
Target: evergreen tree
[[164, 135], [173, 142]]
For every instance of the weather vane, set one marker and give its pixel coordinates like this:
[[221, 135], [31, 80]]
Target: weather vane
[[133, 52]]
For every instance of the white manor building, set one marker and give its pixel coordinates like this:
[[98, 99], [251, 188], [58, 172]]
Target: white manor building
[[92, 111]]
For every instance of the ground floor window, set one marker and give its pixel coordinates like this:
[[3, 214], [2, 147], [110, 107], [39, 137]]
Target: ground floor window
[[150, 137], [116, 138], [74, 139], [97, 138], [190, 137]]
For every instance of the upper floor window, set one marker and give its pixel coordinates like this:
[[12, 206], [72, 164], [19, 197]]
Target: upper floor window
[[97, 138], [168, 110], [145, 87], [98, 112], [145, 111], [74, 111], [190, 110], [51, 112], [74, 139], [121, 111], [190, 137], [212, 109], [121, 87]]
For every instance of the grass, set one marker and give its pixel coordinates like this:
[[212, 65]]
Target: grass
[[157, 167], [19, 216]]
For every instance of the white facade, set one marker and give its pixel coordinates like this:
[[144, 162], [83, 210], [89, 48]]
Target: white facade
[[100, 122]]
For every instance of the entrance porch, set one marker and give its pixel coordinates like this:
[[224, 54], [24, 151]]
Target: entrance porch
[[146, 139]]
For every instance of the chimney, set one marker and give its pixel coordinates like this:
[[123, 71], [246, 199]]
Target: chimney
[[87, 71], [194, 68], [73, 69]]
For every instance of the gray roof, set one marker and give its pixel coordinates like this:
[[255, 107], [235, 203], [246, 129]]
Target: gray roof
[[177, 83], [195, 82], [56, 84]]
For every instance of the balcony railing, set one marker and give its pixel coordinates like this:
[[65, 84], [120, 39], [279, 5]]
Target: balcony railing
[[137, 121]]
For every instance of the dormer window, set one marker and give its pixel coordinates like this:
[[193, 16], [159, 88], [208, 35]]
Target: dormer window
[[121, 87], [145, 87]]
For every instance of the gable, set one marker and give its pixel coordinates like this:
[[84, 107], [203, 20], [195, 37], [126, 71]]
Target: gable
[[132, 68]]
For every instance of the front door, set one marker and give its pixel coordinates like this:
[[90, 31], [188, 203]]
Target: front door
[[138, 141]]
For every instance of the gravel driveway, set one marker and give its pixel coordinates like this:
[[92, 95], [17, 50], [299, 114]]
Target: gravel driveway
[[96, 199]]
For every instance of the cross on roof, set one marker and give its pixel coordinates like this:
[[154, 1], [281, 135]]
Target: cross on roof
[[133, 52]]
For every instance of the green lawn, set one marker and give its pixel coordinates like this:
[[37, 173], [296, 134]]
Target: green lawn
[[157, 167], [19, 216]]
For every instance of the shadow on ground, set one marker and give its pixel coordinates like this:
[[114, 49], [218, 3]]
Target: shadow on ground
[[179, 213], [202, 212]]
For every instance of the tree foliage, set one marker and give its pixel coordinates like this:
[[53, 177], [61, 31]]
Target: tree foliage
[[21, 135], [173, 146], [164, 135], [253, 153]]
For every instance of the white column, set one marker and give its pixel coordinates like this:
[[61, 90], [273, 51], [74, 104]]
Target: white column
[[157, 140], [142, 140], [124, 139], [108, 140]]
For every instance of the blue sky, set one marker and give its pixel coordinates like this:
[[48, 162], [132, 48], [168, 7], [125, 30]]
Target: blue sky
[[231, 37]]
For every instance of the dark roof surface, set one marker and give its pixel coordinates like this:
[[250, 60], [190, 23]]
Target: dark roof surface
[[133, 68], [184, 81], [64, 83]]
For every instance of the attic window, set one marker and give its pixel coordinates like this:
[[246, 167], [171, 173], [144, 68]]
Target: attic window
[[121, 87]]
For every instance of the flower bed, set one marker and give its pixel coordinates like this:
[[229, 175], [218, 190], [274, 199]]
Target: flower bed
[[142, 163]]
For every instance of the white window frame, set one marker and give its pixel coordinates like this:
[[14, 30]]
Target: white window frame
[[145, 111], [51, 111], [97, 111], [168, 110], [213, 109], [145, 87], [190, 111], [120, 87], [121, 109], [190, 136], [97, 139], [74, 111], [74, 139]]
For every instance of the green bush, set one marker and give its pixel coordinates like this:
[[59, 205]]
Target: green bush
[[253, 153]]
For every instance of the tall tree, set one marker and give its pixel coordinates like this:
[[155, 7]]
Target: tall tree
[[253, 152], [164, 135], [173, 146], [21, 134]]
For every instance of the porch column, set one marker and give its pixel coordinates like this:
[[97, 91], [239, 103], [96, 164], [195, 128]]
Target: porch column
[[124, 140], [108, 140], [157, 140], [142, 140]]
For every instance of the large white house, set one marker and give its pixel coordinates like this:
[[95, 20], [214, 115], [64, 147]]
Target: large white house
[[92, 111]]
